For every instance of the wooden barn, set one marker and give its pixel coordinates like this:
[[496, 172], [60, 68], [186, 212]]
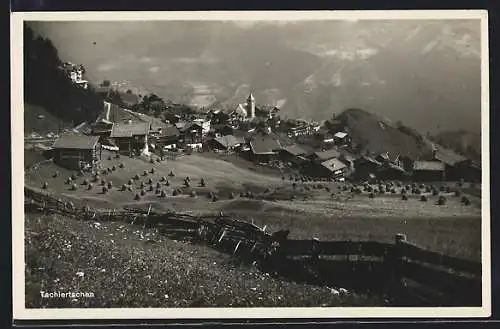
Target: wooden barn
[[168, 136], [130, 137], [457, 166], [321, 156], [226, 143], [264, 148], [428, 171], [76, 151], [293, 154], [333, 169]]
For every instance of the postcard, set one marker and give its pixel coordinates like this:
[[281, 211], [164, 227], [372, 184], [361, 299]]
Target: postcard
[[250, 165]]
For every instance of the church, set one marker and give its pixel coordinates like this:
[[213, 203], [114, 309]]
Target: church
[[247, 110]]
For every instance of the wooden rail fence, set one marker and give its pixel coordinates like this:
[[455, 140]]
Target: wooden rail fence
[[436, 278]]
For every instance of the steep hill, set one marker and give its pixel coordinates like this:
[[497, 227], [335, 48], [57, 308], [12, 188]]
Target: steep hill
[[376, 134]]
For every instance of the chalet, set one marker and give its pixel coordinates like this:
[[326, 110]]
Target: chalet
[[388, 157], [366, 166], [227, 143], [430, 171], [293, 154], [322, 156], [76, 151], [131, 137], [456, 166], [333, 168], [167, 137], [341, 138], [191, 133], [264, 148]]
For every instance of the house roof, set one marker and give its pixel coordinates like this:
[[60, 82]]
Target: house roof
[[169, 131], [328, 154], [448, 156], [295, 150], [333, 164], [340, 134], [264, 145], [229, 140], [192, 126], [82, 142], [129, 129], [428, 165]]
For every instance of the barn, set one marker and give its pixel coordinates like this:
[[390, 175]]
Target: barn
[[131, 136], [227, 143], [428, 171], [333, 168], [76, 151], [264, 148]]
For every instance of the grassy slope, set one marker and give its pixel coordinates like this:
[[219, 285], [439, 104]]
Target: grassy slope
[[452, 228], [366, 130], [123, 270], [42, 126]]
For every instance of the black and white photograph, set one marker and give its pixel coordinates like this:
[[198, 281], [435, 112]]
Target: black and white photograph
[[250, 165]]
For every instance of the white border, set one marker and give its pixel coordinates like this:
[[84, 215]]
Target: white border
[[21, 313]]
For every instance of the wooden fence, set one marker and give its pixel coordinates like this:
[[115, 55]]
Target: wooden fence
[[431, 277]]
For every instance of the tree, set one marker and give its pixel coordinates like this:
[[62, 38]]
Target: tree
[[130, 92], [106, 83]]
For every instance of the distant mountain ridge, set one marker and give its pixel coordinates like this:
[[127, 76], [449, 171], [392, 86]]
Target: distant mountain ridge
[[425, 73]]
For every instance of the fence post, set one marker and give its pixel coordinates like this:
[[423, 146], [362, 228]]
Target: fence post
[[396, 259], [315, 249]]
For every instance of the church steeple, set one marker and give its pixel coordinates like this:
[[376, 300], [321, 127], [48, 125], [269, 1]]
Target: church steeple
[[251, 106]]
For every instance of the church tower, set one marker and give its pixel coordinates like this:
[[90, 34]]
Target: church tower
[[250, 106]]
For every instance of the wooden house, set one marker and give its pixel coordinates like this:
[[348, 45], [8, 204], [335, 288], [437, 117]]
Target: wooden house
[[294, 155], [191, 134], [76, 151], [456, 166], [264, 148], [321, 156], [131, 137], [168, 136], [428, 171], [333, 169], [227, 143]]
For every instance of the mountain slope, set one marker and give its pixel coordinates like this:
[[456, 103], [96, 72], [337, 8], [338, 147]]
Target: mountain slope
[[378, 135]]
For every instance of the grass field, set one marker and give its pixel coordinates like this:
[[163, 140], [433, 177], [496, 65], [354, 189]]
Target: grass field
[[124, 268], [323, 210]]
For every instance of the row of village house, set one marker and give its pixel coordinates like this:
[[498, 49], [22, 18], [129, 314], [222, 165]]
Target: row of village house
[[334, 163], [130, 133]]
